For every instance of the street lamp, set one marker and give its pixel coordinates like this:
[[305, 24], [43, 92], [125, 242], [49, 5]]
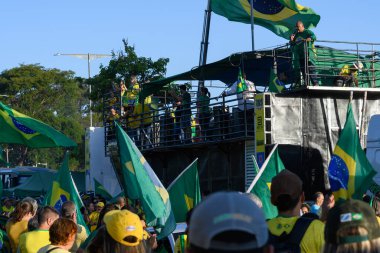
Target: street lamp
[[87, 57]]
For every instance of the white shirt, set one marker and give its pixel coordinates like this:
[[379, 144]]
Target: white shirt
[[248, 95]]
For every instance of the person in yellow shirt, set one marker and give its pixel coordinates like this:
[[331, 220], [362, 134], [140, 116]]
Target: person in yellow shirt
[[145, 113], [133, 123], [94, 216], [7, 208], [69, 211], [348, 75], [31, 242], [18, 223], [61, 235], [287, 196], [133, 90]]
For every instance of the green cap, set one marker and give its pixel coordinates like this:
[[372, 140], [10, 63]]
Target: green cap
[[352, 213]]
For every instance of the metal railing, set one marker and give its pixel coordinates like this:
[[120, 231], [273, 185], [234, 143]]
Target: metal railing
[[169, 125], [330, 60]]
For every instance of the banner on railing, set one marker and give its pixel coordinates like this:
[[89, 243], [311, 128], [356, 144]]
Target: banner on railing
[[260, 129]]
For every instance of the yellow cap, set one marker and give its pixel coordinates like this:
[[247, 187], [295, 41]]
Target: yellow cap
[[123, 223], [100, 204]]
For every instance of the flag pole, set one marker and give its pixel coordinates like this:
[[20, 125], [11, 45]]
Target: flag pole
[[261, 170], [252, 26], [204, 43]]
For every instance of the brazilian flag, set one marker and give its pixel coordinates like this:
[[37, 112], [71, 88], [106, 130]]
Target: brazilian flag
[[261, 184], [100, 190], [142, 183], [275, 85], [241, 84], [279, 16], [185, 192], [63, 189], [350, 173], [18, 128]]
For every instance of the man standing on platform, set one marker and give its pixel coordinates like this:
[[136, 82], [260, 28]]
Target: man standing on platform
[[303, 59], [184, 102]]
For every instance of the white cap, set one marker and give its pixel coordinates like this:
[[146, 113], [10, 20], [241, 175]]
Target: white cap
[[224, 212]]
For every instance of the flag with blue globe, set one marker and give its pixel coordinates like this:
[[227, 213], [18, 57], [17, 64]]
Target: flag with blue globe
[[63, 189]]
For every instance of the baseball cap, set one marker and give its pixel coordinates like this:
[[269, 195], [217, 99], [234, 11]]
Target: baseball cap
[[352, 213], [232, 214], [100, 204], [285, 183], [123, 223]]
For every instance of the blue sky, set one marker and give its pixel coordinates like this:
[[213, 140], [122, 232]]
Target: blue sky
[[33, 31]]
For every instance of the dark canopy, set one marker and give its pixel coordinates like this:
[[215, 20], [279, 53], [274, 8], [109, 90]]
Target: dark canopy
[[257, 66]]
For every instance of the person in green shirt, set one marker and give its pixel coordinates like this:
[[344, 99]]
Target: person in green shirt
[[303, 59], [204, 111]]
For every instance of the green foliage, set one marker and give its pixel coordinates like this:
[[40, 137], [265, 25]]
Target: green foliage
[[122, 66], [53, 96]]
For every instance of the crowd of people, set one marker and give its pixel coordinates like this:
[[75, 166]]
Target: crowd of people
[[178, 119], [222, 222]]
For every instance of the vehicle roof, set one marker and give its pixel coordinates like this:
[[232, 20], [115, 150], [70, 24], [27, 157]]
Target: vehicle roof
[[25, 170]]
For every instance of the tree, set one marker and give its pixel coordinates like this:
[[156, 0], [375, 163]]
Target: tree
[[53, 96], [121, 67]]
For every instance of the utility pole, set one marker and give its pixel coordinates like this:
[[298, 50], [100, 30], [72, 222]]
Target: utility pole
[[87, 57]]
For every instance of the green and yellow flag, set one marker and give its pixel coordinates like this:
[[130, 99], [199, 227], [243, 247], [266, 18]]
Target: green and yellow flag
[[142, 183], [185, 192], [18, 128], [275, 85], [63, 189], [263, 180], [100, 190], [350, 172], [279, 16], [241, 85]]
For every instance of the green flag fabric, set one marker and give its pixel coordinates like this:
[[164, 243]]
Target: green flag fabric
[[279, 16], [262, 182], [350, 173], [100, 190], [63, 189], [275, 84], [241, 85], [2, 160], [18, 128], [185, 192], [142, 183]]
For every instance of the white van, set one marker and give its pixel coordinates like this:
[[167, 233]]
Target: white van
[[373, 145]]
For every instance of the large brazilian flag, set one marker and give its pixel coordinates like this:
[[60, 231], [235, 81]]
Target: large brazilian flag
[[279, 16], [17, 128], [350, 172], [142, 183], [63, 189]]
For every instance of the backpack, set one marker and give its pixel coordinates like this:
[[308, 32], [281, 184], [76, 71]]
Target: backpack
[[290, 243]]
